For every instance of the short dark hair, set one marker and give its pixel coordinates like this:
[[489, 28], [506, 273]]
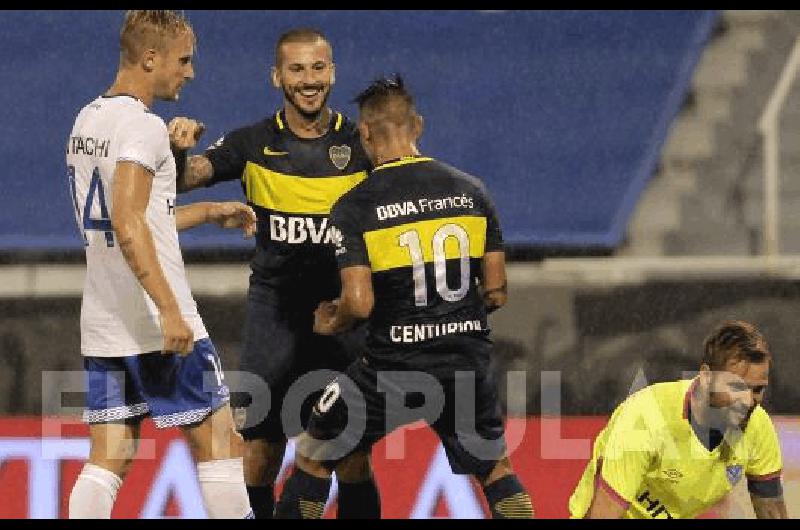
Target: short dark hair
[[381, 90], [735, 339], [305, 34]]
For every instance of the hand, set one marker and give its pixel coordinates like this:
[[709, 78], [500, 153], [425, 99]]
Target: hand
[[324, 317], [178, 336], [184, 133], [233, 215]]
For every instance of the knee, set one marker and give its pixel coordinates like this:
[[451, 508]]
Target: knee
[[115, 458], [262, 460], [355, 468], [118, 466]]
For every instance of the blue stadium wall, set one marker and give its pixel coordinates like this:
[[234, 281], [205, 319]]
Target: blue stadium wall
[[561, 113]]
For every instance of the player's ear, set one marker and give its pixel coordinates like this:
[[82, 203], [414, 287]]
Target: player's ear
[[419, 126], [705, 375], [363, 131], [149, 60], [333, 74], [275, 77]]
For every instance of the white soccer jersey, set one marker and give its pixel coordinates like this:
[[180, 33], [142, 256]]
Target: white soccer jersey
[[118, 317]]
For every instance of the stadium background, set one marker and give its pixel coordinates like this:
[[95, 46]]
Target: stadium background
[[621, 149]]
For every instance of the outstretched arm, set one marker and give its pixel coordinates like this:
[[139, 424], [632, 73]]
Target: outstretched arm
[[225, 214]]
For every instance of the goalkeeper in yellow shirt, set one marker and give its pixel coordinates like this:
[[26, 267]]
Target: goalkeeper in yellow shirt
[[674, 450]]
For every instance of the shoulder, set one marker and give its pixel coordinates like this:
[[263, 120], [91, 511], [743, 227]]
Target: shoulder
[[465, 179], [145, 120], [263, 130], [354, 202], [668, 393], [655, 405], [345, 128], [155, 122], [759, 424], [142, 126]]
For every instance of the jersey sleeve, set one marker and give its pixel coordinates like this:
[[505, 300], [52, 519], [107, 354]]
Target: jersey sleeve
[[348, 237], [227, 156], [764, 451], [143, 142], [627, 454]]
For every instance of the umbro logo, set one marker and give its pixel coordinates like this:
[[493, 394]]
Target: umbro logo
[[270, 152]]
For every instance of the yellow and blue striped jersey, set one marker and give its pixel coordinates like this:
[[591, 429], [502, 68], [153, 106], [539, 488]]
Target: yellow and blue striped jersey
[[292, 183], [422, 227]]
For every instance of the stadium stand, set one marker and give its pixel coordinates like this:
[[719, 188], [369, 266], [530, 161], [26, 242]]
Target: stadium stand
[[562, 113]]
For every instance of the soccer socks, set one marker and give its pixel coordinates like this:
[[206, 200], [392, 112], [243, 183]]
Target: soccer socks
[[304, 496], [508, 499], [94, 493], [359, 500], [223, 489], [262, 499]]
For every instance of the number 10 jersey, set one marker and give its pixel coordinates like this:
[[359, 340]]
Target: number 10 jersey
[[423, 228]]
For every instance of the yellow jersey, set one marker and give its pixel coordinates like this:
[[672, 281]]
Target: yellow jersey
[[649, 458]]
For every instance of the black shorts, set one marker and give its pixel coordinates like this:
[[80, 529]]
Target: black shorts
[[358, 409], [279, 347]]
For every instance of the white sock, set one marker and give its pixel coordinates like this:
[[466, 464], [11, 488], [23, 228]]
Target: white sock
[[223, 489], [94, 492]]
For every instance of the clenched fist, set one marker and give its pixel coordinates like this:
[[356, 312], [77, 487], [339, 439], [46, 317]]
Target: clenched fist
[[184, 133]]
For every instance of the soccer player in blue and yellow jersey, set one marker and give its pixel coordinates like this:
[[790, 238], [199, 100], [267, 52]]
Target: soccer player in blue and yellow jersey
[[293, 166], [675, 450], [420, 254]]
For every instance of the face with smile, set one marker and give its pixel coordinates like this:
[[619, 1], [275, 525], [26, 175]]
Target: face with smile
[[733, 393], [305, 72]]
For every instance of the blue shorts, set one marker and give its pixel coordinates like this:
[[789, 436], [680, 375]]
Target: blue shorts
[[174, 390]]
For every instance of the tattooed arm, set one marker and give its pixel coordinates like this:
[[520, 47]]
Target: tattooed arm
[[131, 194]]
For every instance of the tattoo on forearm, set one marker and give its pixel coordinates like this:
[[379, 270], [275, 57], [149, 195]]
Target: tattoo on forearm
[[125, 247]]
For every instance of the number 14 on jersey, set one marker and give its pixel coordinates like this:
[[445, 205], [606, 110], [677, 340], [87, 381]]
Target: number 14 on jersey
[[96, 195]]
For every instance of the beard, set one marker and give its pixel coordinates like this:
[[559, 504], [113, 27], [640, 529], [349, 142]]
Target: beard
[[310, 115], [726, 418]]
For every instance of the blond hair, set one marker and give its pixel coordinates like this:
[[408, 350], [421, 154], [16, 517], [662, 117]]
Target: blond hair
[[148, 29]]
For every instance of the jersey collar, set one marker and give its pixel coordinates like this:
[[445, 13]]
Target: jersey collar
[[716, 437], [402, 161], [336, 121]]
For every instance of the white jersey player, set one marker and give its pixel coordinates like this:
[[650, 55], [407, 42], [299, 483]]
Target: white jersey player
[[146, 351], [118, 318]]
